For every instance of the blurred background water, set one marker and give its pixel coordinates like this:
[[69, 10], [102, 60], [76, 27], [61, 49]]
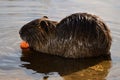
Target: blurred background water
[[15, 13]]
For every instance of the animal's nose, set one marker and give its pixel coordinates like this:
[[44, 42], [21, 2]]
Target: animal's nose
[[20, 32]]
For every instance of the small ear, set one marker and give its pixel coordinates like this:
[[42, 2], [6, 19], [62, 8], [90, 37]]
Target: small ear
[[45, 17], [44, 25]]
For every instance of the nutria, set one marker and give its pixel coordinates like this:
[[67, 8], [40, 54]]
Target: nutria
[[78, 35]]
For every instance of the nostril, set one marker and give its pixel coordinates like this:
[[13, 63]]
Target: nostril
[[20, 32]]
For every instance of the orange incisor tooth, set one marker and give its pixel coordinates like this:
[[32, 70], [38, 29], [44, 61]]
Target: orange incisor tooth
[[24, 45]]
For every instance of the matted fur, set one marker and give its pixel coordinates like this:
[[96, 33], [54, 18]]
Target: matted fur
[[83, 35], [78, 35]]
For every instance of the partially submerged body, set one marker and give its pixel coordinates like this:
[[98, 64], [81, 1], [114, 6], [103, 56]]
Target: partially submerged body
[[76, 36]]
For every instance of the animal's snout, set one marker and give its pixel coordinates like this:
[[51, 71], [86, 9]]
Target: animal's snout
[[20, 32]]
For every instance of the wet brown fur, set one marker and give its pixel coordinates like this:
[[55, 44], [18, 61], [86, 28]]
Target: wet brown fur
[[78, 35], [84, 35]]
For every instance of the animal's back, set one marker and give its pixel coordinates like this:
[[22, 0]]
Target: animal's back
[[81, 35]]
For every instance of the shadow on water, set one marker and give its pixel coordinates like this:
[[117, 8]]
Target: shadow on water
[[44, 63]]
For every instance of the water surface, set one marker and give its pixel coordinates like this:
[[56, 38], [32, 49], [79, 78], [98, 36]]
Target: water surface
[[16, 66]]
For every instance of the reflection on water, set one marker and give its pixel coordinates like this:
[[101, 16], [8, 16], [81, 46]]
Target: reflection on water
[[69, 69], [17, 66]]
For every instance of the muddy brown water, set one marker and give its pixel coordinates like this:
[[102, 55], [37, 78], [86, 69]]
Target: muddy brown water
[[16, 64]]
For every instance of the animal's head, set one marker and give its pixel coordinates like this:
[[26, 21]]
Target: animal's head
[[37, 32]]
